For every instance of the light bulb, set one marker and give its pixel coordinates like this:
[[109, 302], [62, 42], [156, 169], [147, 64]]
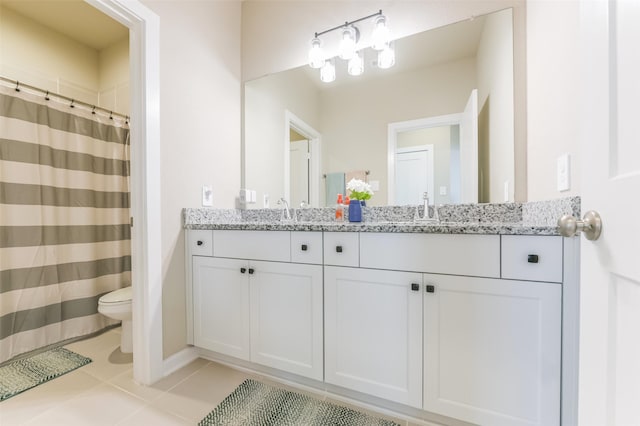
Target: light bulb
[[386, 57], [316, 55], [356, 64], [348, 43], [328, 71], [381, 34]]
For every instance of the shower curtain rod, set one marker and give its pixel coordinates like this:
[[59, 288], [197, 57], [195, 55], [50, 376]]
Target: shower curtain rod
[[74, 102]]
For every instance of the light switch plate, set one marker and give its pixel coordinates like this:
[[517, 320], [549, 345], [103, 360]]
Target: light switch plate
[[443, 190], [563, 172], [207, 196], [375, 185]]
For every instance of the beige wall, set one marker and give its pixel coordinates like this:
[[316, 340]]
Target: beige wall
[[553, 50], [495, 100], [276, 35], [200, 130], [47, 59], [113, 76], [44, 58], [266, 101]]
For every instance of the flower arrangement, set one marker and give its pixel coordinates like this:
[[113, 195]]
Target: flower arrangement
[[359, 190]]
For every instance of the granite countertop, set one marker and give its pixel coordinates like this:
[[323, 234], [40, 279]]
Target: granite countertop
[[534, 218]]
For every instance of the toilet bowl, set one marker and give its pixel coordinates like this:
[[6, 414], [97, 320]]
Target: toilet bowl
[[117, 305]]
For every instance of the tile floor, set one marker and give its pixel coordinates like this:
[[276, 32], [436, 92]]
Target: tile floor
[[104, 393]]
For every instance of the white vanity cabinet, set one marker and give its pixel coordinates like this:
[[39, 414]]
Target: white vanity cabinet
[[463, 326], [373, 332], [221, 305], [265, 312], [492, 350]]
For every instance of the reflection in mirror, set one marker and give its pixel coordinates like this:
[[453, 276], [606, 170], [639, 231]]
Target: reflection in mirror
[[355, 123]]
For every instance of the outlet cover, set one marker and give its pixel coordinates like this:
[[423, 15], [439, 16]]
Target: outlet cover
[[563, 172], [207, 196]]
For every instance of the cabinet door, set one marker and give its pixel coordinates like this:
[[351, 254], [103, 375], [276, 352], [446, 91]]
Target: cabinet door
[[221, 305], [492, 350], [286, 317], [373, 332]]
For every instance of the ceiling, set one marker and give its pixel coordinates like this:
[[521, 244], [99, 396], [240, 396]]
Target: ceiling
[[74, 18]]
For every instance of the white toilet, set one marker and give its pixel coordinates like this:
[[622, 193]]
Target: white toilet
[[117, 305]]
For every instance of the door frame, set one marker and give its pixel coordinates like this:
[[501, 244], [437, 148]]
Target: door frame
[[292, 121], [146, 258], [404, 126]]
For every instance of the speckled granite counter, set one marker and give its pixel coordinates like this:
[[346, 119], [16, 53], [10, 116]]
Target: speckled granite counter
[[535, 218]]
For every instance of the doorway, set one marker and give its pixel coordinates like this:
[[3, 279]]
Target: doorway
[[302, 162]]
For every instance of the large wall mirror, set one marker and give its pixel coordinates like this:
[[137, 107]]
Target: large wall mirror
[[441, 120]]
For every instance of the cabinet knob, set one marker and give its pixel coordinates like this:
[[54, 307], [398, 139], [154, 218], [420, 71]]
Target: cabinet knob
[[532, 258], [303, 247], [243, 270], [430, 288], [415, 287], [338, 249], [200, 242], [251, 270]]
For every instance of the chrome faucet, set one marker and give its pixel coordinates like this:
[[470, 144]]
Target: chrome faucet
[[286, 214], [425, 214]]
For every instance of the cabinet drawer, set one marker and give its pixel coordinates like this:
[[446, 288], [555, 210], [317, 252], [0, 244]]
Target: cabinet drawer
[[532, 258], [341, 249], [474, 255], [201, 242], [258, 245], [306, 247]]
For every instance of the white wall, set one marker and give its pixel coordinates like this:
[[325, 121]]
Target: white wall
[[266, 100], [360, 143], [495, 96], [200, 129], [552, 93], [276, 35]]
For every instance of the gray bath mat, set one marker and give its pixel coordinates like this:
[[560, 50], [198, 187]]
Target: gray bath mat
[[256, 404], [25, 373]]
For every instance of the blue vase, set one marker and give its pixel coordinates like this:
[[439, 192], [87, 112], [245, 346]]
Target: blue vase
[[355, 211]]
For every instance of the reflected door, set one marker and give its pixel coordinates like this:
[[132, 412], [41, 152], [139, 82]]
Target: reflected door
[[299, 172], [414, 175]]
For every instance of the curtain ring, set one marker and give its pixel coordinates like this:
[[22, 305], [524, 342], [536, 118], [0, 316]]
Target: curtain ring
[[110, 115], [93, 110], [17, 86], [72, 105], [126, 120], [46, 96]]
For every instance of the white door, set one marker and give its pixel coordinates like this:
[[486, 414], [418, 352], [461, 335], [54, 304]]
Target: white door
[[221, 305], [286, 317], [299, 172], [373, 332], [492, 350], [469, 150], [609, 379], [414, 175]]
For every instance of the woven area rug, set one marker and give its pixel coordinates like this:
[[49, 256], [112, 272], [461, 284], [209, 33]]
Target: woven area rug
[[256, 404], [25, 373]]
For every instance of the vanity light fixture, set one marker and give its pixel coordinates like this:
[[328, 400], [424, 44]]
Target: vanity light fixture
[[350, 51], [356, 64], [328, 71]]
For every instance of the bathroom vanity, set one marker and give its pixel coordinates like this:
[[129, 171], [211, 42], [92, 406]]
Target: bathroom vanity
[[461, 320]]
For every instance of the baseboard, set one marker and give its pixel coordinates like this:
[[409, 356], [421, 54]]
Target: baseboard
[[179, 360]]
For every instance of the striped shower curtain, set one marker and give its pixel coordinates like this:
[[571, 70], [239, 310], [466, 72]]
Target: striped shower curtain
[[64, 220]]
